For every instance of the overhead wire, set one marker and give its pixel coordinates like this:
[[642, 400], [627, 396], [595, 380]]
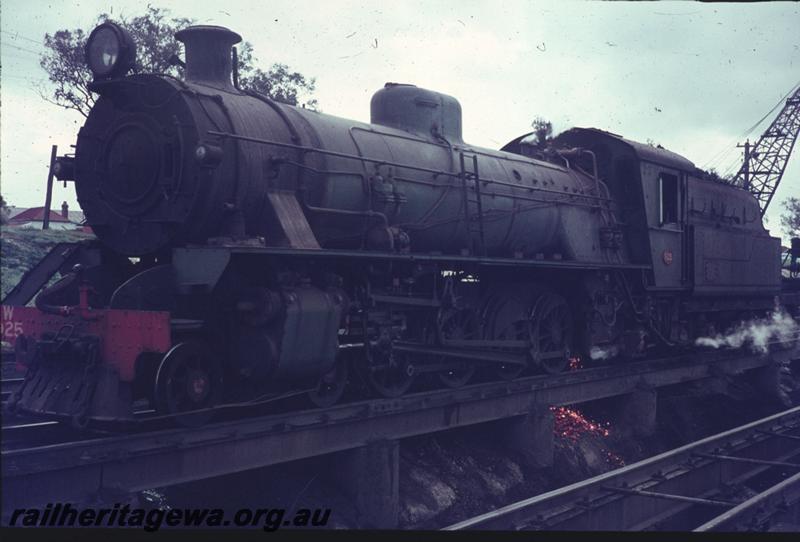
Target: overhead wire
[[17, 35], [721, 156], [7, 44], [736, 166]]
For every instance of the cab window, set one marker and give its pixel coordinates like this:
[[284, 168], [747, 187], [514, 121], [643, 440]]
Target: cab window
[[668, 192]]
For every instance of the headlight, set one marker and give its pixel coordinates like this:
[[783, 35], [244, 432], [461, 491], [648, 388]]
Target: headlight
[[110, 51]]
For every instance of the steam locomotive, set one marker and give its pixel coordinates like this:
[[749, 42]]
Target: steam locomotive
[[247, 247]]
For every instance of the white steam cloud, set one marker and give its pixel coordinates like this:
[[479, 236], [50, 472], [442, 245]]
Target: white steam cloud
[[603, 353], [779, 326]]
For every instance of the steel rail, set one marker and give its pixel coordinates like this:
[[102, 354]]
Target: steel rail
[[778, 498], [641, 495], [8, 385], [36, 432], [27, 431], [74, 470]]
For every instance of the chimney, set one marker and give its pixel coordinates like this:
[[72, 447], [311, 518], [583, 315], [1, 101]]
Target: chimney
[[65, 210], [208, 54]]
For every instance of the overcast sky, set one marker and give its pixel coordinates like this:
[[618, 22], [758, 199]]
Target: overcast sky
[[692, 77]]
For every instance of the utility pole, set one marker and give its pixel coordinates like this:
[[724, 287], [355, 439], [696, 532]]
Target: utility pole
[[765, 161], [49, 196], [745, 171]]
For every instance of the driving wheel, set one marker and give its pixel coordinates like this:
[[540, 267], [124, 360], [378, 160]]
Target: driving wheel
[[552, 333], [188, 383]]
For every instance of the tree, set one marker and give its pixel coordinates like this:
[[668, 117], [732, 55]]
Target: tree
[[543, 129], [153, 32], [713, 175], [279, 82], [3, 211], [790, 220]]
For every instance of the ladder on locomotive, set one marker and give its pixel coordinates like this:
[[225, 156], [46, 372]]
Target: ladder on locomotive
[[474, 220]]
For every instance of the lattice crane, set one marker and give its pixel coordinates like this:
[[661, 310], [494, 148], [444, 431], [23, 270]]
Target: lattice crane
[[765, 162]]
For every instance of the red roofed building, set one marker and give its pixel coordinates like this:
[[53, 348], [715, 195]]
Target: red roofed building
[[33, 218]]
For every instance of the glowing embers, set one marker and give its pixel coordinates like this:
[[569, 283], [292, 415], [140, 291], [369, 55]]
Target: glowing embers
[[576, 429], [571, 424], [575, 363], [613, 459]]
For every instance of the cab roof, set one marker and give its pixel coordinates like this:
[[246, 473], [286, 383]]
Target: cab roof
[[583, 137]]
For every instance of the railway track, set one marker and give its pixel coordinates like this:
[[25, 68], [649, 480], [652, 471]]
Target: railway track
[[20, 431], [10, 377], [747, 478], [7, 387], [26, 433], [73, 470]]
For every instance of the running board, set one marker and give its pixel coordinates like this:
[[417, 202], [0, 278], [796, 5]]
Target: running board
[[477, 355]]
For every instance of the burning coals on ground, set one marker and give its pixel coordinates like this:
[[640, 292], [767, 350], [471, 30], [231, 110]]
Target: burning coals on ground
[[570, 424]]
